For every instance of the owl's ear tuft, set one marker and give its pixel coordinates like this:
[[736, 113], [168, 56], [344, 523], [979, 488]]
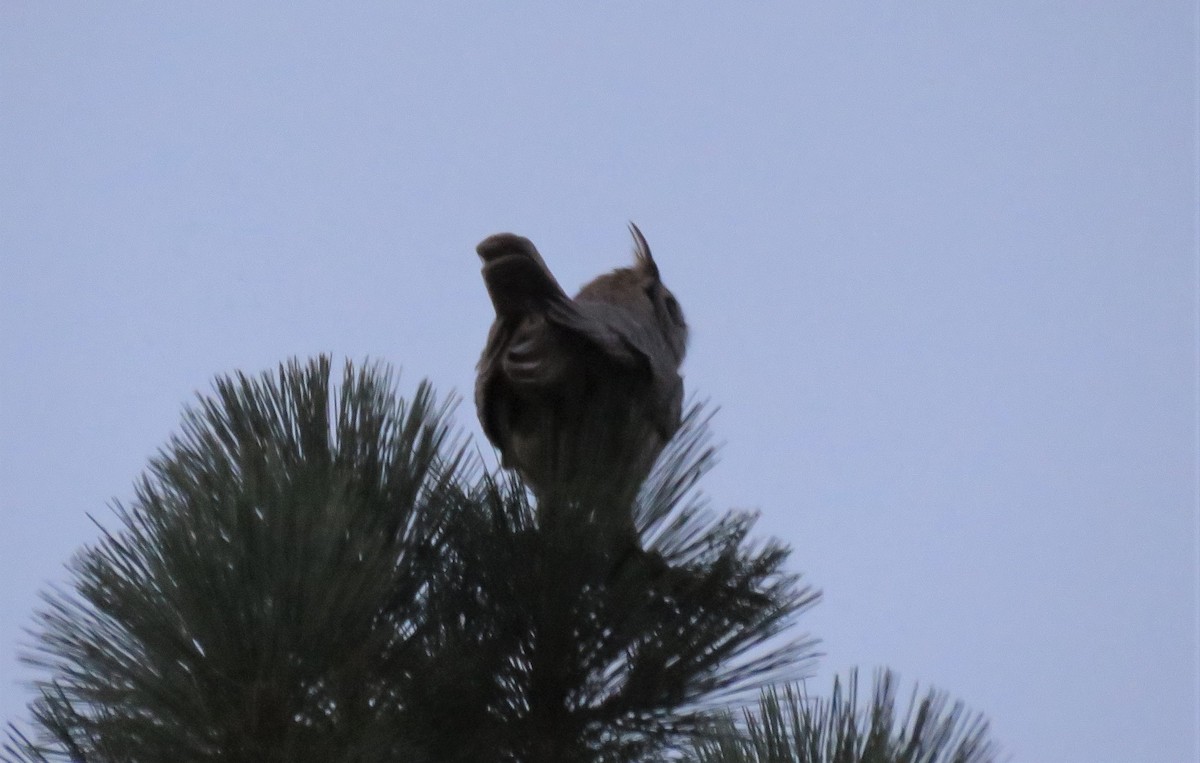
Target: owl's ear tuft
[[644, 262]]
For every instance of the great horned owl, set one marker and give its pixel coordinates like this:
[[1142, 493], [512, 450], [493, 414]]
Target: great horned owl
[[579, 394]]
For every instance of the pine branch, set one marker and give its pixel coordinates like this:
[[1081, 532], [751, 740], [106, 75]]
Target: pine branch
[[236, 613], [789, 726]]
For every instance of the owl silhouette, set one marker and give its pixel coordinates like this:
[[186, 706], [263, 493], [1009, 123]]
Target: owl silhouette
[[579, 395]]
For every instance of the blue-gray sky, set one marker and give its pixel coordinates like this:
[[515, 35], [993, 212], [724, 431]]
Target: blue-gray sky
[[939, 261]]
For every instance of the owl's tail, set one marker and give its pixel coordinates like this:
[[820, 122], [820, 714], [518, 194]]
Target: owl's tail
[[517, 278]]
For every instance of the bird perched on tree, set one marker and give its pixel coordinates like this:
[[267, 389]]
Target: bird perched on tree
[[579, 395]]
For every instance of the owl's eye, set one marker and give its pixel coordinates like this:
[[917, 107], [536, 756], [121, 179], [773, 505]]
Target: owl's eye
[[663, 300], [673, 309]]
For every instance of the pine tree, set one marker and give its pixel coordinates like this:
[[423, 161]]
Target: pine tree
[[319, 573]]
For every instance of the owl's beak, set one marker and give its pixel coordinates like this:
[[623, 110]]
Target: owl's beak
[[517, 278]]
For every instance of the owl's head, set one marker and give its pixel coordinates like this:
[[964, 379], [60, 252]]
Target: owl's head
[[640, 289]]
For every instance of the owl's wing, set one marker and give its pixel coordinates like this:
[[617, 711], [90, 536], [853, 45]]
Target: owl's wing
[[493, 411], [629, 343], [523, 359], [669, 408], [602, 325]]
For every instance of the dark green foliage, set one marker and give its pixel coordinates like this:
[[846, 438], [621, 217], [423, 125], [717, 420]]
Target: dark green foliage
[[790, 727], [581, 649], [242, 610], [309, 574]]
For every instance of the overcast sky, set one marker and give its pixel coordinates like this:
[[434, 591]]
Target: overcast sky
[[939, 260]]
